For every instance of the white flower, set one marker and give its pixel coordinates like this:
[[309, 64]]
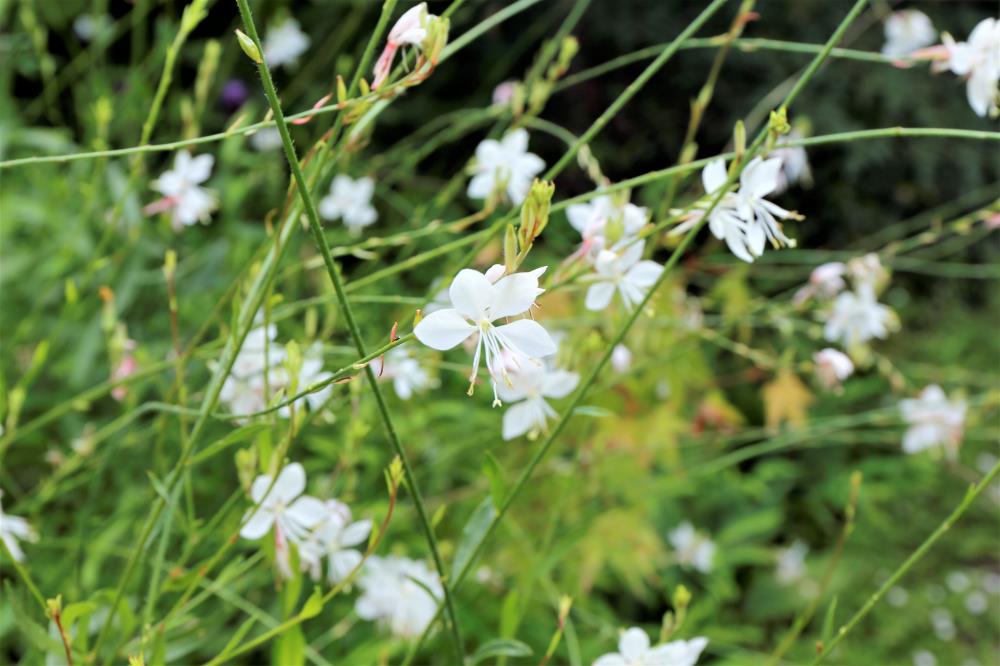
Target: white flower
[[693, 549], [350, 200], [832, 367], [906, 31], [794, 163], [179, 186], [410, 29], [958, 581], [406, 373], [622, 271], [266, 139], [529, 386], [897, 597], [14, 529], [924, 658], [476, 304], [283, 45], [977, 603], [604, 221], [979, 60], [867, 270], [292, 514], [395, 593], [505, 163], [791, 563], [825, 281], [257, 366], [856, 317], [933, 420], [334, 539], [634, 650], [943, 624], [621, 358]]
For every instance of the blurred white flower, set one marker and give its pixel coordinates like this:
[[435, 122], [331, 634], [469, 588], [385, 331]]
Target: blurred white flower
[[634, 650], [958, 581], [991, 583], [187, 202], [88, 26], [924, 658], [266, 139], [605, 221], [976, 603], [285, 43], [867, 270], [409, 29], [794, 163], [933, 421], [979, 60], [832, 367], [395, 593], [476, 304], [503, 94], [856, 317], [504, 164], [943, 624], [350, 200], [906, 31], [407, 375], [624, 271], [985, 462], [529, 386], [825, 281], [335, 539], [621, 358], [292, 514], [311, 373], [14, 529], [897, 597], [791, 563], [692, 549]]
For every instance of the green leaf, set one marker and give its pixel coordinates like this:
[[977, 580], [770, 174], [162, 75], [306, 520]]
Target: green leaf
[[828, 620], [472, 535], [290, 647], [498, 486], [313, 605], [501, 647]]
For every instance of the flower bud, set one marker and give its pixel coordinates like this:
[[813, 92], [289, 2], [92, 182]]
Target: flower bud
[[248, 46], [535, 212]]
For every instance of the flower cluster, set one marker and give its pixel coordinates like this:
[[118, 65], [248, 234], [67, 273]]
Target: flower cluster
[[504, 166], [183, 196], [934, 422], [692, 549], [350, 200], [634, 649], [399, 593], [407, 375]]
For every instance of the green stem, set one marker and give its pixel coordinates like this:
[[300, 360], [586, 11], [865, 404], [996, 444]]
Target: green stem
[[333, 270]]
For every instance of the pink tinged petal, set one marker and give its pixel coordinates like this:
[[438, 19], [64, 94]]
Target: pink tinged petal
[[516, 141], [599, 296], [307, 511], [559, 383], [443, 329], [291, 482], [528, 337], [760, 178], [356, 533], [520, 419], [411, 19], [633, 644], [514, 294], [258, 525], [383, 66], [644, 274], [471, 294], [713, 176]]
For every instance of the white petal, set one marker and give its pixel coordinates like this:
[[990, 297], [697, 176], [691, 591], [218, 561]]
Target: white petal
[[443, 329], [200, 168], [519, 419], [599, 295], [529, 337], [291, 482], [713, 176], [580, 216], [356, 533], [481, 185], [760, 178], [488, 153], [633, 644], [307, 511], [258, 525], [644, 274], [559, 383], [471, 294], [343, 563], [329, 209], [515, 141], [611, 659], [514, 294]]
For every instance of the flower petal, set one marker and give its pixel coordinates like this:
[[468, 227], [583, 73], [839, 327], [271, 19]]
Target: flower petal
[[514, 294], [760, 178], [307, 511], [258, 524], [633, 644], [515, 141], [355, 533], [644, 274], [443, 329], [471, 294], [713, 176], [599, 296], [528, 337], [519, 419], [481, 185], [342, 563], [291, 482], [559, 383]]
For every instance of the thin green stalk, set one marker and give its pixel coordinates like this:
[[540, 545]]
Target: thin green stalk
[[974, 491], [333, 270]]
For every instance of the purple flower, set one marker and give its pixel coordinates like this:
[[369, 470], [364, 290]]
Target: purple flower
[[234, 94]]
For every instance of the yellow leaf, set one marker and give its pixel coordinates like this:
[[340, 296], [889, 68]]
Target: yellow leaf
[[786, 399]]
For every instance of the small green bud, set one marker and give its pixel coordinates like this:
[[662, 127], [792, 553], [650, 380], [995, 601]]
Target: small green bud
[[510, 259], [778, 122], [740, 139], [341, 89], [535, 212], [249, 47]]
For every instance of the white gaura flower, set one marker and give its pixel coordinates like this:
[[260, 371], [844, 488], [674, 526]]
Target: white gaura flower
[[634, 650], [832, 367], [605, 221], [943, 624], [794, 163], [257, 367], [825, 281], [979, 60], [284, 44], [906, 31], [335, 539], [13, 530], [624, 271], [350, 200], [310, 373], [791, 565], [758, 179], [507, 164], [692, 549], [924, 658], [407, 375], [933, 420], [187, 202], [621, 358], [410, 29], [284, 507], [476, 304], [529, 387], [395, 593], [856, 317]]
